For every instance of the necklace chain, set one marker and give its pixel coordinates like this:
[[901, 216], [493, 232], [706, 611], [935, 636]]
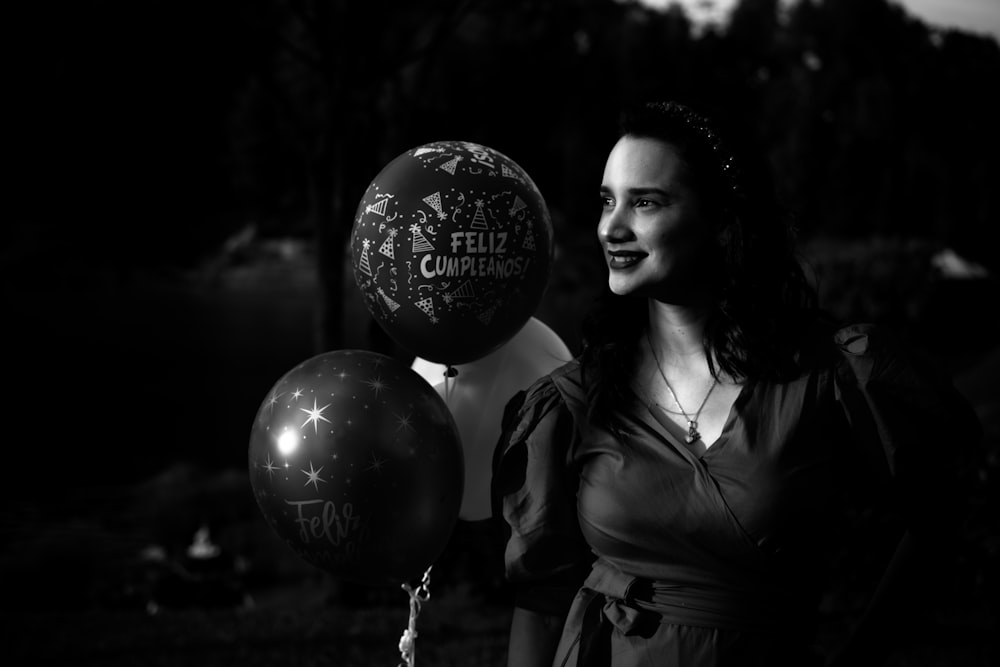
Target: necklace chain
[[692, 433]]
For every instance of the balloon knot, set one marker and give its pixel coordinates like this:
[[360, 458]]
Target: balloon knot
[[406, 643], [450, 372]]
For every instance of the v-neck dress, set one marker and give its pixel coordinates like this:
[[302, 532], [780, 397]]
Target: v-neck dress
[[667, 557]]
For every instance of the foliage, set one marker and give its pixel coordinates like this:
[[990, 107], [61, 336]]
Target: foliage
[[149, 133]]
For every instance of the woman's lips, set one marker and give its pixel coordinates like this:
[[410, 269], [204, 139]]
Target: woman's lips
[[623, 260]]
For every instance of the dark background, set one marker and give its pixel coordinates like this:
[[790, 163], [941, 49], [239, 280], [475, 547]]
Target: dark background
[[184, 176]]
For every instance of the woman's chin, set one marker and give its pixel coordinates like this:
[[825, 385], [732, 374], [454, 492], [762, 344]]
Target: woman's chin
[[621, 287]]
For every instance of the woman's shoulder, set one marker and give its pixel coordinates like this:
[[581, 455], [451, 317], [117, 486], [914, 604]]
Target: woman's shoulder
[[564, 382], [830, 347], [866, 351], [898, 378], [859, 353], [861, 338], [897, 395], [540, 418], [560, 390]]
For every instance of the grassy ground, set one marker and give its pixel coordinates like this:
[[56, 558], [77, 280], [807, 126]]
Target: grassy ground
[[298, 631], [116, 589], [88, 584], [104, 591]]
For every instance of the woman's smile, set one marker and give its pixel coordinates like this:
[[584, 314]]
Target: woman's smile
[[623, 259]]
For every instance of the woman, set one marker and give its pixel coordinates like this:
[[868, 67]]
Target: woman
[[673, 494]]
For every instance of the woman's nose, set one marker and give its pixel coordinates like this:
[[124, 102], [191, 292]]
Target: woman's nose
[[612, 228]]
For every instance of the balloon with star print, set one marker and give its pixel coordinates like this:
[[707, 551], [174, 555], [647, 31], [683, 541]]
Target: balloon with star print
[[356, 463]]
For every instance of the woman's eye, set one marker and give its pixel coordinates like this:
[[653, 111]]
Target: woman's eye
[[607, 202], [643, 203]]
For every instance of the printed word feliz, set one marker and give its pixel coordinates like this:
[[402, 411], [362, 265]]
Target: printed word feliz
[[328, 524], [478, 243]]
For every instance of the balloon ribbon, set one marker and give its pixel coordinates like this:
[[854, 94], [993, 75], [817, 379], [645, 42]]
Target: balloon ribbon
[[418, 595], [449, 372]]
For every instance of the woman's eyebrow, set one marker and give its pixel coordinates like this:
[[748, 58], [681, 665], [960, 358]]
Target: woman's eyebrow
[[649, 191], [639, 191]]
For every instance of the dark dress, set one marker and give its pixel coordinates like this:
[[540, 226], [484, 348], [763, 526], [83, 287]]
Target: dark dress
[[670, 558]]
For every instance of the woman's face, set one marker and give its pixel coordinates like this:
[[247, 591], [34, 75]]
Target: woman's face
[[656, 238]]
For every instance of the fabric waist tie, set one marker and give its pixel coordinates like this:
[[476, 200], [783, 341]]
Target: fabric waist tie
[[610, 599]]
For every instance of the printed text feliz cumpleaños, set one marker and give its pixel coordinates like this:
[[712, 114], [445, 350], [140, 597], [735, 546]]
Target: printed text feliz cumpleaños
[[475, 254]]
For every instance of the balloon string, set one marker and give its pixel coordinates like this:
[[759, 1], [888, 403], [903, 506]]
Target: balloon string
[[449, 372], [418, 595]]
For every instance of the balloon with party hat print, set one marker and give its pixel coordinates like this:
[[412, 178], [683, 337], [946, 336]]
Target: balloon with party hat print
[[452, 246]]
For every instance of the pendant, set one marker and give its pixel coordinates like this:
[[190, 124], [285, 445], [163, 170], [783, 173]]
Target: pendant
[[692, 432]]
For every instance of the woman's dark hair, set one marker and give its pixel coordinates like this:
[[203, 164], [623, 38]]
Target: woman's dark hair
[[765, 305]]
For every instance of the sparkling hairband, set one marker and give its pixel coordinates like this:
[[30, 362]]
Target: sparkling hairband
[[724, 158]]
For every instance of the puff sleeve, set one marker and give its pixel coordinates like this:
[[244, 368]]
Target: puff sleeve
[[915, 430], [533, 492]]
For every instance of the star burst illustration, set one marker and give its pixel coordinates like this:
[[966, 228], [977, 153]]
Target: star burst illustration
[[314, 416], [269, 466], [313, 476], [273, 399], [377, 385], [404, 422], [376, 463]]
